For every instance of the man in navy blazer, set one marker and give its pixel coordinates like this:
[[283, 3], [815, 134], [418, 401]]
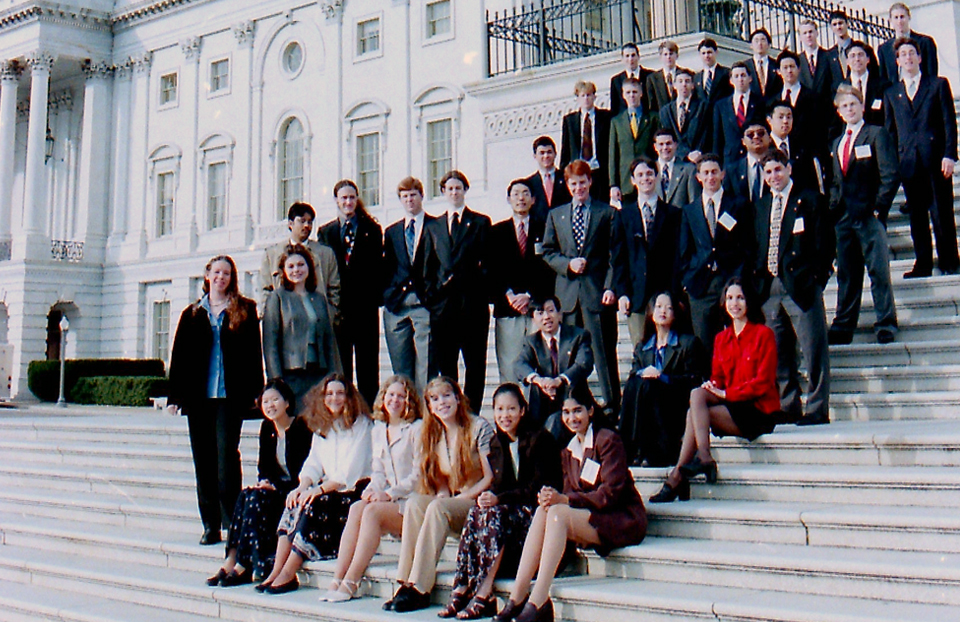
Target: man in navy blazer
[[716, 242], [659, 86], [593, 124], [807, 164], [870, 83], [922, 121], [763, 68], [865, 180], [630, 55], [730, 114], [582, 245], [900, 20], [819, 70], [811, 117], [840, 26], [688, 118], [546, 184], [677, 180], [744, 177], [650, 229], [793, 262], [713, 81]]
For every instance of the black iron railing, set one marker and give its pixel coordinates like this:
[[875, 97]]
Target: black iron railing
[[550, 31]]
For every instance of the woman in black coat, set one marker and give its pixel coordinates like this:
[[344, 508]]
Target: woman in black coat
[[530, 460], [667, 365], [216, 373], [284, 444]]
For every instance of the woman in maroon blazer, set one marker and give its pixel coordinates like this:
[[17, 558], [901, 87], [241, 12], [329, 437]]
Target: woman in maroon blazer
[[599, 507]]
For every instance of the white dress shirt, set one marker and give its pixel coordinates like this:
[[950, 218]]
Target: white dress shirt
[[342, 456]]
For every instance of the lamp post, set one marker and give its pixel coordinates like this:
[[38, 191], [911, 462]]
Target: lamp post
[[64, 329]]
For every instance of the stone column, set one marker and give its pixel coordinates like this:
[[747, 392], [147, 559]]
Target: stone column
[[93, 188], [241, 75], [121, 150], [9, 75], [191, 184], [36, 241]]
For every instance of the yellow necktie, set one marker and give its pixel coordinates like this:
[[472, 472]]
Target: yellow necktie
[[634, 126]]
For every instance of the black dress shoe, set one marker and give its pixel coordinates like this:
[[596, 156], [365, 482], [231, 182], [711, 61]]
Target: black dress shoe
[[697, 467], [836, 337], [670, 493], [532, 613], [511, 610], [215, 580], [403, 589], [290, 586], [262, 587], [411, 600], [917, 274], [234, 578], [210, 536], [813, 421], [885, 336]]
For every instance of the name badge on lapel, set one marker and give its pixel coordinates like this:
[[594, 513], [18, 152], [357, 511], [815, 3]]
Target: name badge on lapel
[[877, 104], [798, 225], [590, 471], [538, 248], [727, 221], [862, 151]]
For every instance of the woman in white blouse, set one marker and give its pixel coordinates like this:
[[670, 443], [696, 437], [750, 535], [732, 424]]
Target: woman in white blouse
[[397, 413], [331, 479]]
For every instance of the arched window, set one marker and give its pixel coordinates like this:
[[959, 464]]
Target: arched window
[[290, 165]]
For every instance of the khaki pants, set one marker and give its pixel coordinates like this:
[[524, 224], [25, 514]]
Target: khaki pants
[[427, 521]]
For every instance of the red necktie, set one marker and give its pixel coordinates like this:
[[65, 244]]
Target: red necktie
[[847, 149], [522, 238], [586, 145], [741, 112], [789, 98], [548, 188]]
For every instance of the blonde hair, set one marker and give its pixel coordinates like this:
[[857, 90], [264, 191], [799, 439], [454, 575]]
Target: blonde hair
[[319, 418], [412, 410], [582, 86], [465, 468], [847, 89]]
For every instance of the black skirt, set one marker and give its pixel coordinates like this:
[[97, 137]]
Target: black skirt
[[752, 422]]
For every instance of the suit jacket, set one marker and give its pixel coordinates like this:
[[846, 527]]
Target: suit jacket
[[624, 148], [806, 173], [190, 357], [298, 440], [773, 83], [324, 261], [617, 103], [570, 146], [871, 181], [657, 93], [541, 205], [359, 285], [719, 88], [509, 270], [683, 185], [839, 67], [574, 355], [874, 111], [727, 138], [425, 277], [736, 180], [601, 249], [684, 363], [539, 454], [703, 258], [924, 131], [696, 126], [467, 286], [929, 63], [650, 262], [805, 248], [828, 73], [810, 115], [285, 329]]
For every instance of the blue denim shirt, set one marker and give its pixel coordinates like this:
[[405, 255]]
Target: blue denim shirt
[[672, 340], [215, 384]]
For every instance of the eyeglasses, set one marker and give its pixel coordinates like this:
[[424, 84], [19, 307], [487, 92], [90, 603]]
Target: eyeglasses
[[755, 134]]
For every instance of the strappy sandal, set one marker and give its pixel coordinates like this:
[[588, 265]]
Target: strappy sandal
[[479, 607], [455, 606], [339, 595]]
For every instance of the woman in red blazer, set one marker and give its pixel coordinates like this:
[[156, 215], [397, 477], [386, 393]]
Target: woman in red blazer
[[739, 399]]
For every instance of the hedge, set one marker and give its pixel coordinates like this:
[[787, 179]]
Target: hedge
[[118, 390], [43, 377]]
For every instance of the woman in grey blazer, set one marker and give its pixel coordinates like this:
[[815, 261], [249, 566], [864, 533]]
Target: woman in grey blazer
[[298, 341]]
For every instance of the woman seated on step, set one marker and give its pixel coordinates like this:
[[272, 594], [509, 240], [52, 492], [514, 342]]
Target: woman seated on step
[[284, 445], [455, 467], [740, 399], [599, 507], [335, 472], [397, 414], [530, 460]]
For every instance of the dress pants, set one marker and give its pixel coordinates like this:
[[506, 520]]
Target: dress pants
[[427, 521], [603, 332], [465, 328], [791, 325], [215, 426], [929, 192], [359, 335], [510, 333], [408, 340], [863, 243], [705, 314], [635, 326]]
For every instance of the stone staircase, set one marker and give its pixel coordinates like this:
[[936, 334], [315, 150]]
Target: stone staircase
[[855, 521]]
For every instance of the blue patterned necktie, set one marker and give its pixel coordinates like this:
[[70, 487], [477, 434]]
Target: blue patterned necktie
[[411, 236], [348, 239], [579, 228]]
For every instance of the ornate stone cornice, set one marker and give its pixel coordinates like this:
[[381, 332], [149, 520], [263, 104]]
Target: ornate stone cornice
[[10, 70], [191, 48], [55, 13], [62, 100], [96, 70], [123, 70], [331, 8], [40, 60], [141, 62], [245, 33]]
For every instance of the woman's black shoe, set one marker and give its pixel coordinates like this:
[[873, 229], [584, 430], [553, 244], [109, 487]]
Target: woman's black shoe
[[696, 467], [403, 589], [234, 578], [262, 587], [290, 586], [210, 536], [411, 600], [511, 610], [670, 493], [531, 613], [215, 580]]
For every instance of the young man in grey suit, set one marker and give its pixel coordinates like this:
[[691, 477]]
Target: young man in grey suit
[[687, 116], [676, 179], [582, 245]]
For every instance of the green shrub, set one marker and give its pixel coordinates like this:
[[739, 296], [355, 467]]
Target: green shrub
[[118, 390], [43, 377]]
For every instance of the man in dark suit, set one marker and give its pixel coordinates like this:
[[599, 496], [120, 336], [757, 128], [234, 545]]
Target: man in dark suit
[[732, 112], [744, 177], [518, 275], [713, 81], [546, 184], [650, 230], [630, 55], [659, 85], [838, 53], [811, 118], [922, 121], [806, 165], [415, 267], [586, 136], [869, 82], [865, 180], [553, 359], [676, 179], [793, 262], [465, 323], [631, 136], [819, 71], [357, 240], [716, 242], [900, 20], [763, 73], [582, 245], [687, 117]]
